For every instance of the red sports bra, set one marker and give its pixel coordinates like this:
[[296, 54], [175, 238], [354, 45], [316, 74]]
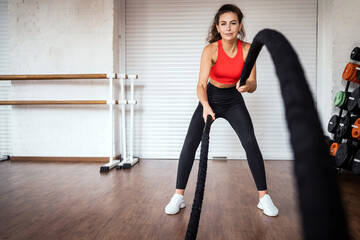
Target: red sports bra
[[227, 70]]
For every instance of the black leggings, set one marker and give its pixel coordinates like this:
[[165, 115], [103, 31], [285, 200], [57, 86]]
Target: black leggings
[[227, 103]]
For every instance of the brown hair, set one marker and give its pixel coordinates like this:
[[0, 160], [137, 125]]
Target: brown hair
[[213, 34]]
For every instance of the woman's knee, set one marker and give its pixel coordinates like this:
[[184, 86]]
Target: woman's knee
[[250, 143]]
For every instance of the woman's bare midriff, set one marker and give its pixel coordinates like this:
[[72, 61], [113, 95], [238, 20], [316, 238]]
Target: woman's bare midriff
[[220, 85]]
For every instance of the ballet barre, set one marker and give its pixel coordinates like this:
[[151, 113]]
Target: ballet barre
[[56, 76], [128, 160]]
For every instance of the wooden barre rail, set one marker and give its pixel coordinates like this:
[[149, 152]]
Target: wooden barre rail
[[64, 102], [53, 76], [60, 77]]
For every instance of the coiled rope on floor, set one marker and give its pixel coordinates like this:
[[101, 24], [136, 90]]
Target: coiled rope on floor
[[320, 203]]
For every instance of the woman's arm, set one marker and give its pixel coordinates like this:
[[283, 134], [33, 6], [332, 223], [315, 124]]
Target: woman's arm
[[205, 66], [251, 84]]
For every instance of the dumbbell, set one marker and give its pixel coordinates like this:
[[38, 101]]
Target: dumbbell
[[344, 156], [345, 126], [355, 54], [329, 143], [341, 99], [356, 163], [353, 100], [333, 148], [350, 72], [333, 124], [355, 132]]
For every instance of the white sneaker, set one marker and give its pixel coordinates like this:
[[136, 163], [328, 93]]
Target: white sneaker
[[176, 202], [268, 207]]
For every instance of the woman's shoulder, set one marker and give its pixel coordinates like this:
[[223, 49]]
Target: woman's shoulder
[[210, 49], [246, 45]]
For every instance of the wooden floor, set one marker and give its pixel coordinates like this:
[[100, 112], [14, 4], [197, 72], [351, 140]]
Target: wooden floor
[[75, 201]]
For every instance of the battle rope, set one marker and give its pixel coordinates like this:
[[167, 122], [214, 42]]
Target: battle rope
[[319, 197], [200, 185]]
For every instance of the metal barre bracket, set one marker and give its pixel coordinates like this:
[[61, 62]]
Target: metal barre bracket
[[111, 75], [122, 102], [132, 76], [110, 102]]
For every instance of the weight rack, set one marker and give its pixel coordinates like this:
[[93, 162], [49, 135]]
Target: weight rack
[[345, 142]]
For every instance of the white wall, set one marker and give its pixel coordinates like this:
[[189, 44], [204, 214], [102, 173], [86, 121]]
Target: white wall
[[59, 37], [338, 34], [5, 86]]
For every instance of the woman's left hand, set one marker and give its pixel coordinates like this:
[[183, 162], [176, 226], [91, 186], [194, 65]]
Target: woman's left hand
[[243, 88]]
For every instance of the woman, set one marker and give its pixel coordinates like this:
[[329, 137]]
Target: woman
[[222, 61]]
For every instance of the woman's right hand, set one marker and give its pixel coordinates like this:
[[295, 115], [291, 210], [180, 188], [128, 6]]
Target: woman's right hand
[[208, 110]]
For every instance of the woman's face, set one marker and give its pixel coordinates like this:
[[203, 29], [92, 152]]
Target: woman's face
[[229, 25]]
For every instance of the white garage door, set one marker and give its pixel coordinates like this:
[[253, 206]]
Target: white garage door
[[164, 42]]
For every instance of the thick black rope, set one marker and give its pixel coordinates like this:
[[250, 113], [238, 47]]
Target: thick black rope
[[319, 197], [200, 184]]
